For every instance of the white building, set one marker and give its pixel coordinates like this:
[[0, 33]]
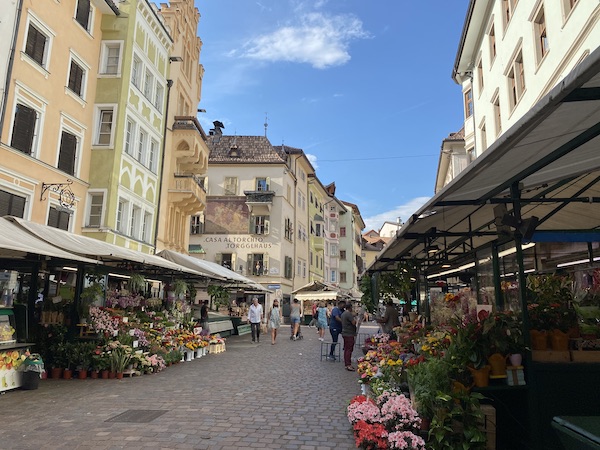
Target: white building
[[511, 53]]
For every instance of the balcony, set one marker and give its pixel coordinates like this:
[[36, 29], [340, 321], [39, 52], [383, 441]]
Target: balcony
[[189, 145], [187, 193], [318, 242], [259, 202]]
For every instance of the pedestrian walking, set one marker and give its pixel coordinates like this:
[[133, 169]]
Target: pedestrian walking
[[363, 316], [274, 320], [349, 335], [295, 316], [335, 327], [255, 317], [313, 321], [321, 315]]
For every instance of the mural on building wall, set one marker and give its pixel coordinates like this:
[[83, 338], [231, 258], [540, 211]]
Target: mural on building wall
[[226, 216]]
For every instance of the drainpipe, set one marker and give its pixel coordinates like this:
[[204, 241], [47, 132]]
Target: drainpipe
[[162, 163], [10, 66]]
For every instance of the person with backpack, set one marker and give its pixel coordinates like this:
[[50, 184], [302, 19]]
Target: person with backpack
[[335, 327]]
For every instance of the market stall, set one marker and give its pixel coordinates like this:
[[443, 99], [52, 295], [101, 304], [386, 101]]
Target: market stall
[[517, 232]]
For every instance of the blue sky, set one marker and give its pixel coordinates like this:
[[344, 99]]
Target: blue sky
[[363, 87]]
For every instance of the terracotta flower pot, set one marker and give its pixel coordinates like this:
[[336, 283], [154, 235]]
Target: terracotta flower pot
[[119, 375], [516, 359], [111, 375], [104, 374], [82, 374], [559, 340], [539, 340], [56, 372], [67, 374], [94, 374]]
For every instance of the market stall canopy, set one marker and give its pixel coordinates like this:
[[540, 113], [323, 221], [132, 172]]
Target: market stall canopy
[[96, 250], [318, 290], [549, 159], [214, 269], [17, 243]]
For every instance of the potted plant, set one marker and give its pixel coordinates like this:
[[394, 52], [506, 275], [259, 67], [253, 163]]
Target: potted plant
[[426, 380], [120, 357], [90, 295], [84, 351], [137, 282]]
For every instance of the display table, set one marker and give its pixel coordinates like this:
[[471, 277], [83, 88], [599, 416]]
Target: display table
[[10, 377], [578, 432]]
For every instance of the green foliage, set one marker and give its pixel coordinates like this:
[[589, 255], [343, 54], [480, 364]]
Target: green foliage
[[390, 285], [179, 287], [82, 354], [428, 380], [367, 299], [137, 282], [219, 295]]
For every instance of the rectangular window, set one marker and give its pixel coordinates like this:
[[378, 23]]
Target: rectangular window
[[196, 225], [492, 36], [541, 35], [318, 230], [159, 93], [11, 204], [343, 277], [36, 46], [262, 184], [288, 268], [136, 72], [299, 267], [76, 78], [121, 215], [96, 201], [68, 153], [516, 80], [147, 227], [343, 255], [24, 128], [111, 58], [226, 260], [259, 225], [497, 115], [334, 249], [152, 155], [483, 138], [480, 75], [148, 84], [134, 223], [468, 103], [288, 230], [508, 7], [342, 231], [333, 276], [141, 150], [230, 186], [83, 14], [303, 269], [105, 127], [58, 219], [257, 264], [129, 137]]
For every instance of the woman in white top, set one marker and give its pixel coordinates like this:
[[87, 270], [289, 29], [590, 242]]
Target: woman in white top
[[274, 320]]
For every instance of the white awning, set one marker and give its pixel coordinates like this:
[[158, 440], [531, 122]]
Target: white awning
[[214, 269], [94, 248], [318, 295], [17, 243]]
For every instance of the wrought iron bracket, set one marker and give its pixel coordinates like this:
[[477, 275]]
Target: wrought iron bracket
[[66, 195]]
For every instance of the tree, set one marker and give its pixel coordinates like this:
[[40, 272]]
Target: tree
[[218, 295]]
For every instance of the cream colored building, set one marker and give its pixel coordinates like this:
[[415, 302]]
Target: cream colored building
[[351, 226], [48, 121], [182, 191], [511, 53]]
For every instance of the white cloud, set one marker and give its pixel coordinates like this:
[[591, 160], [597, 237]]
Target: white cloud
[[317, 39], [313, 160], [403, 211]]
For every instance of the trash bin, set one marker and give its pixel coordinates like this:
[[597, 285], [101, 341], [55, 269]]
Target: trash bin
[[32, 368]]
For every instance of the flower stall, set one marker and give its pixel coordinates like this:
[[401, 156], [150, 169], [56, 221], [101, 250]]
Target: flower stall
[[517, 231]]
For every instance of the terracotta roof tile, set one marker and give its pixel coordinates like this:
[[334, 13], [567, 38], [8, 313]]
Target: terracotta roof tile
[[250, 150]]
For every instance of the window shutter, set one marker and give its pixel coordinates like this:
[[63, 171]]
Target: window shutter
[[265, 263], [233, 262], [83, 13], [249, 267], [36, 43], [23, 129], [75, 78], [68, 150], [219, 259], [268, 185], [11, 205], [252, 227], [58, 219], [267, 221]]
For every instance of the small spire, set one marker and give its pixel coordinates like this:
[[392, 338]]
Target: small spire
[[266, 123]]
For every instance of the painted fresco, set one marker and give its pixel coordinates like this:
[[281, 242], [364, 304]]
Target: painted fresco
[[226, 216]]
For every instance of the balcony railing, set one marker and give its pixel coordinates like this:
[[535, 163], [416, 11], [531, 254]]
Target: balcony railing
[[188, 192], [259, 196], [188, 123]]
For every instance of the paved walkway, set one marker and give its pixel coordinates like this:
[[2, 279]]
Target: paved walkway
[[251, 396]]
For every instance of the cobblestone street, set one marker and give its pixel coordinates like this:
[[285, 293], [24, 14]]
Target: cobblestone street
[[251, 396]]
